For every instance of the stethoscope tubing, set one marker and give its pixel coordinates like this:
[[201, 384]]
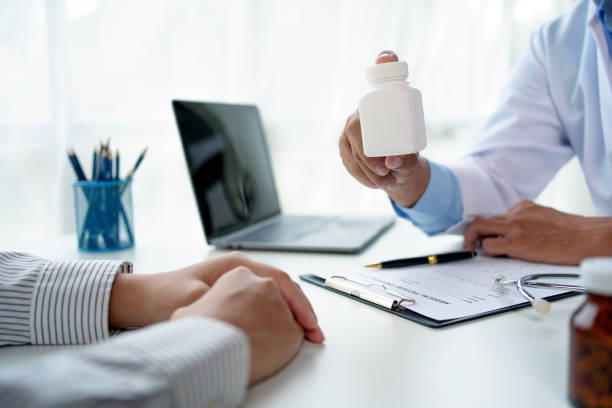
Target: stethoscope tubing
[[507, 282], [527, 281]]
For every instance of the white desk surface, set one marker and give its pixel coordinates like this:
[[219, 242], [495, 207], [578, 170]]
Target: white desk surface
[[372, 358]]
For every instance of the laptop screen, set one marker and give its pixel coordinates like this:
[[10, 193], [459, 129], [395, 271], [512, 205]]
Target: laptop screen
[[229, 165]]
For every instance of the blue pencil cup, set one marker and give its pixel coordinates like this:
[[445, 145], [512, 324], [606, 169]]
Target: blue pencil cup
[[104, 215]]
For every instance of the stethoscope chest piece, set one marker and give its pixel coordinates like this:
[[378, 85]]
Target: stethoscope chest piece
[[542, 306]]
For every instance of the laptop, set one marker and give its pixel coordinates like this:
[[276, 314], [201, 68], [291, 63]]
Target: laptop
[[231, 175]]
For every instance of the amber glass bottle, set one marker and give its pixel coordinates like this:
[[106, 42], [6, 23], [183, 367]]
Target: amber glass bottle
[[590, 377]]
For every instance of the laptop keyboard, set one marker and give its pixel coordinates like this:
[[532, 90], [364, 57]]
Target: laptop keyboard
[[290, 229]]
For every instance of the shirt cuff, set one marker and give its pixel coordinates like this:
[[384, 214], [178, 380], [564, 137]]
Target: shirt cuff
[[71, 299], [441, 205]]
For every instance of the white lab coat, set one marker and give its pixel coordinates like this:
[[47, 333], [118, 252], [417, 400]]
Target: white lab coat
[[558, 103]]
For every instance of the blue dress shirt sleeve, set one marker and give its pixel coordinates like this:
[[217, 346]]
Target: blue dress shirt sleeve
[[441, 205]]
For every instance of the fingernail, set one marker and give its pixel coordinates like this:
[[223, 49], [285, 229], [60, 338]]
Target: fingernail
[[381, 170], [387, 52], [396, 163]]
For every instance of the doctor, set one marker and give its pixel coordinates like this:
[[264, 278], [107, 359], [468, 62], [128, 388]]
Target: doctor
[[557, 104]]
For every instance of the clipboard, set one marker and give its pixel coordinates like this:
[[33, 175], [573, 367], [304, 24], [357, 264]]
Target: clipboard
[[397, 309]]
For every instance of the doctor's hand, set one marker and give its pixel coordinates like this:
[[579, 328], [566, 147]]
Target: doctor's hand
[[541, 234], [404, 178], [254, 305], [141, 300]]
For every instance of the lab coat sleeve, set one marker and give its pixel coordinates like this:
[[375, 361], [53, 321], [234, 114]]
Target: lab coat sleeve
[[521, 146]]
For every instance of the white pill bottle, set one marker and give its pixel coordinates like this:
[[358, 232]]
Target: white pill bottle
[[391, 113]]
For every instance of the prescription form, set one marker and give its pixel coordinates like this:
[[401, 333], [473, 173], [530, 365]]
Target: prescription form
[[459, 289]]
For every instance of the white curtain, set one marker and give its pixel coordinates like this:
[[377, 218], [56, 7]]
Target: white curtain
[[74, 72]]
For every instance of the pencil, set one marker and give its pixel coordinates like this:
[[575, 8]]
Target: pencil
[[133, 169], [109, 166], [423, 260], [94, 167], [117, 165], [76, 165], [103, 162]]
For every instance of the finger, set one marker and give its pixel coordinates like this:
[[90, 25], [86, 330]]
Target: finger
[[403, 165], [299, 304], [386, 56], [295, 298], [496, 246], [314, 335], [375, 165], [351, 165], [377, 181], [358, 159], [484, 227], [302, 310]]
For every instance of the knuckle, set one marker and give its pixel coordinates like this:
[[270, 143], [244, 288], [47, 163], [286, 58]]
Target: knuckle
[[242, 270], [268, 283], [238, 254], [522, 204], [283, 276], [348, 119], [354, 126]]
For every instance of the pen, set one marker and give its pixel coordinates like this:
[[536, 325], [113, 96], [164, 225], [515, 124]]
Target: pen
[[424, 260], [133, 170]]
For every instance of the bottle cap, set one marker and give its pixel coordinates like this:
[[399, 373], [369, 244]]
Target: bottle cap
[[388, 70], [597, 275]]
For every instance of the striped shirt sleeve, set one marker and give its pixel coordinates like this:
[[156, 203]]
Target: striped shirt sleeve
[[54, 302], [192, 362]]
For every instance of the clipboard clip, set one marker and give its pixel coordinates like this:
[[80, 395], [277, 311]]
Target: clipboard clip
[[348, 286]]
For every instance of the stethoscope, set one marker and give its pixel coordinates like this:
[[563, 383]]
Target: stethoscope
[[540, 305]]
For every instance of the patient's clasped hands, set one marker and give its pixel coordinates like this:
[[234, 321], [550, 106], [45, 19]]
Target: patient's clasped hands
[[258, 299]]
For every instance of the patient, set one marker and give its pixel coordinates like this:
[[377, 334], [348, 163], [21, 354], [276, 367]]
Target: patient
[[213, 329]]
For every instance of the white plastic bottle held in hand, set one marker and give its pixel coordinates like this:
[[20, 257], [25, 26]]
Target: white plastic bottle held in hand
[[391, 113]]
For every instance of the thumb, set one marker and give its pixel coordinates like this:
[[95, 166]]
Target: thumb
[[386, 56]]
